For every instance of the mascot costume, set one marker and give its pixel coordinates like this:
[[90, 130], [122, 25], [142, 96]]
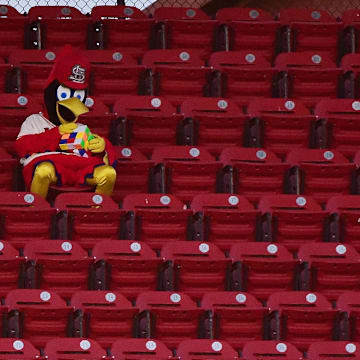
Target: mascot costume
[[53, 148]]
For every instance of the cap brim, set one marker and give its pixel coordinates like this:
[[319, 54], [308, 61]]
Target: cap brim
[[75, 85]]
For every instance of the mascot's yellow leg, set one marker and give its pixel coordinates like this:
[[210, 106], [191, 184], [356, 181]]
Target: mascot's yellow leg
[[44, 175], [104, 179]]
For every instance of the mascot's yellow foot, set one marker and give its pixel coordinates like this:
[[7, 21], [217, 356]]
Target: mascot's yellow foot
[[44, 175], [104, 178]]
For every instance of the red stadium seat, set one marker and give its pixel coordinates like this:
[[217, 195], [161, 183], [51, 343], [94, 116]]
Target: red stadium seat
[[121, 27], [134, 168], [99, 119], [247, 29], [319, 173], [193, 267], [252, 172], [14, 109], [261, 268], [307, 76], [129, 267], [276, 350], [87, 218], [134, 349], [309, 30], [113, 74], [74, 349], [205, 349], [11, 349], [234, 317], [176, 74], [343, 222], [223, 219], [155, 219], [5, 78], [350, 66], [348, 304], [300, 317], [241, 75], [10, 266], [103, 316], [338, 125], [26, 216], [329, 268], [148, 122], [184, 171], [36, 315], [56, 265], [284, 124], [215, 123], [291, 220], [32, 69], [185, 28], [350, 40], [167, 316], [12, 30], [53, 26], [333, 350]]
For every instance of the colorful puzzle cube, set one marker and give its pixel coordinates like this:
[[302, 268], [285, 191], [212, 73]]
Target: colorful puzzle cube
[[77, 141]]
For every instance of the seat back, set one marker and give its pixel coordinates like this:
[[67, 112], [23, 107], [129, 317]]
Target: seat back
[[186, 171], [56, 265], [342, 115], [150, 121], [27, 216], [53, 26], [292, 220], [337, 261], [129, 267], [73, 349], [233, 312], [262, 268], [14, 108], [105, 315], [217, 122], [34, 67], [309, 317], [275, 349], [173, 316], [249, 162], [36, 315], [279, 116], [135, 169], [199, 267], [206, 349], [140, 349], [333, 350], [317, 165], [224, 219], [87, 218], [12, 349]]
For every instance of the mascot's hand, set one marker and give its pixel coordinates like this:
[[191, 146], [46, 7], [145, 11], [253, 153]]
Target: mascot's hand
[[67, 128], [97, 144]]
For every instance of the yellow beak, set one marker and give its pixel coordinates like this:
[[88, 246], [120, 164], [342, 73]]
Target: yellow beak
[[69, 110]]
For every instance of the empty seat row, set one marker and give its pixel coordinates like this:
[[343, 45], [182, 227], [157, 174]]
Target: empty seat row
[[299, 317], [192, 349], [196, 267], [233, 29], [177, 74]]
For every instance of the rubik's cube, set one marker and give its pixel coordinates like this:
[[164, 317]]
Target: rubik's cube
[[77, 141]]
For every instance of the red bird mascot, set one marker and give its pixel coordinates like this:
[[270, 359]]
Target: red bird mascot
[[39, 142]]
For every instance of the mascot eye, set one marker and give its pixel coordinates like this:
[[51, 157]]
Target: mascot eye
[[80, 94], [63, 93]]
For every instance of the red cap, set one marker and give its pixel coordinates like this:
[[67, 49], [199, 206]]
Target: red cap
[[71, 69]]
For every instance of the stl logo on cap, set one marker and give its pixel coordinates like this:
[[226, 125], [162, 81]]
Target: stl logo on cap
[[78, 74]]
